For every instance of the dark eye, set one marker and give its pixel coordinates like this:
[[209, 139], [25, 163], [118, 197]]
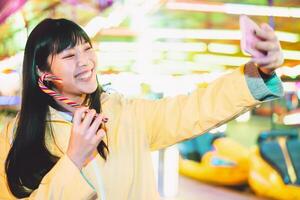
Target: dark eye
[[68, 56], [88, 48]]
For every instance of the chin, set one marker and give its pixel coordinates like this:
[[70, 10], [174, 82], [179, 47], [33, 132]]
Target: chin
[[87, 86], [89, 89]]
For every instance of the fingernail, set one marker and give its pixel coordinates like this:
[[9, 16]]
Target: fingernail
[[105, 119]]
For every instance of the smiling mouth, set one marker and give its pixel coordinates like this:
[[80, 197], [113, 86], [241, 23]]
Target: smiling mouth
[[85, 76]]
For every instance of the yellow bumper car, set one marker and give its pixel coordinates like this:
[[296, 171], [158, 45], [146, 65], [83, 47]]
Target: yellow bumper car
[[214, 158], [275, 165]]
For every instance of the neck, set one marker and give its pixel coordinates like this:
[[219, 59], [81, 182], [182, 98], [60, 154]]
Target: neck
[[67, 108]]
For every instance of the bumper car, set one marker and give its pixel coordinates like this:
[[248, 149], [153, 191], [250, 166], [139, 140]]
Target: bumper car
[[275, 165], [215, 159]]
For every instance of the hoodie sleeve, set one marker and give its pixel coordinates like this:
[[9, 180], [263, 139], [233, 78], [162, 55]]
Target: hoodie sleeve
[[171, 120], [63, 182]]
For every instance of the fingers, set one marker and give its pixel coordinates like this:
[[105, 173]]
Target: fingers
[[265, 60], [96, 124], [88, 122], [85, 136], [268, 42], [266, 27], [266, 33], [88, 119], [273, 60], [78, 114], [275, 64], [99, 136], [267, 46]]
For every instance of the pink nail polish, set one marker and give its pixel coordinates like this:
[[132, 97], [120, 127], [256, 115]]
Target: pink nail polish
[[105, 119]]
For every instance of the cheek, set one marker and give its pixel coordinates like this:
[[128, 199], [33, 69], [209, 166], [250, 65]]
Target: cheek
[[93, 58], [65, 72]]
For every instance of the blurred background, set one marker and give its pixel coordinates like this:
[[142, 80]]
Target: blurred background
[[159, 48]]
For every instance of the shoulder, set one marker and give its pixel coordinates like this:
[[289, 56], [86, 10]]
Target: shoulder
[[8, 129], [7, 136], [111, 99]]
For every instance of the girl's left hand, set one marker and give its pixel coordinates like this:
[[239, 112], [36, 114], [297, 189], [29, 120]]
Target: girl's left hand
[[271, 46]]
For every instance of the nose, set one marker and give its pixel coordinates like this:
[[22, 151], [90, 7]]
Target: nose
[[82, 60]]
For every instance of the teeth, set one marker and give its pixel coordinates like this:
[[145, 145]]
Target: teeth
[[85, 75]]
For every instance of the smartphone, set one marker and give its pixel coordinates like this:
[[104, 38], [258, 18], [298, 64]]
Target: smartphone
[[249, 38]]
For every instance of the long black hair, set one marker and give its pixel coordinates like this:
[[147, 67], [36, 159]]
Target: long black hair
[[29, 160]]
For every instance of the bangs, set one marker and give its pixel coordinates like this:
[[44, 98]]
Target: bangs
[[52, 36], [68, 36]]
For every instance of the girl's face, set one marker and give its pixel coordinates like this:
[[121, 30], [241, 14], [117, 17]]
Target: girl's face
[[76, 67]]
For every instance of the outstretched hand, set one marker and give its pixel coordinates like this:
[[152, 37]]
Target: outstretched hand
[[270, 45]]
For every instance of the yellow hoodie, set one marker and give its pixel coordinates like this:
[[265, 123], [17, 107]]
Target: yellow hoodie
[[135, 128]]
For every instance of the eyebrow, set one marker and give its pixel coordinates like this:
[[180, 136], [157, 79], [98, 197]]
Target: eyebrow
[[67, 49], [71, 48]]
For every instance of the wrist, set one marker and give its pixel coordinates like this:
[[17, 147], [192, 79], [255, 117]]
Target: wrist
[[265, 73], [77, 161]]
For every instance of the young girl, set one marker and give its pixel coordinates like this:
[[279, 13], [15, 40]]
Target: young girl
[[47, 152]]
